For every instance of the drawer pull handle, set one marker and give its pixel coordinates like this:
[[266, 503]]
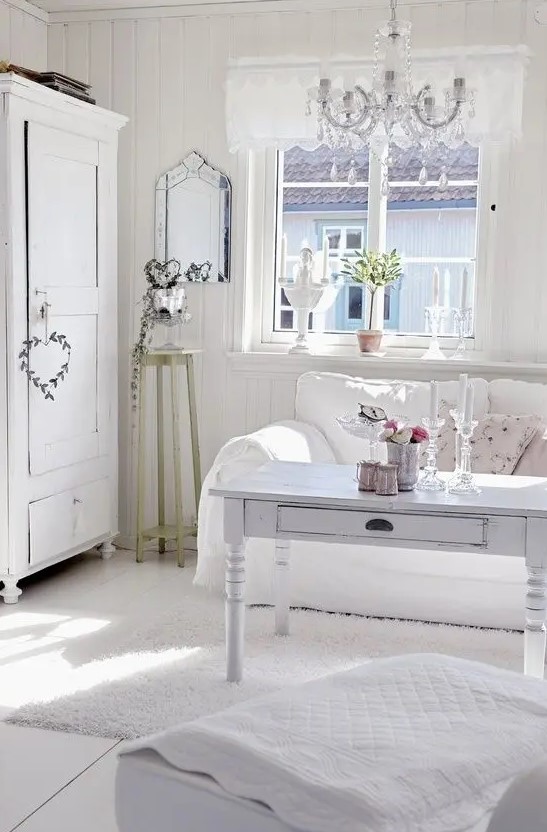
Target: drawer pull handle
[[379, 525]]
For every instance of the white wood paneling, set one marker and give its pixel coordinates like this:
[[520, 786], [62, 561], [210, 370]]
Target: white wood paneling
[[165, 69], [23, 35]]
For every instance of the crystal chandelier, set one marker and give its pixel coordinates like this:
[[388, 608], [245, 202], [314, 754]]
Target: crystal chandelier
[[350, 120]]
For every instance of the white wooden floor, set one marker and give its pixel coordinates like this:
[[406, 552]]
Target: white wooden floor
[[51, 780]]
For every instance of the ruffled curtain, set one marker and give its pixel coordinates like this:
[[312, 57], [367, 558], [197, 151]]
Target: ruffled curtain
[[266, 101]]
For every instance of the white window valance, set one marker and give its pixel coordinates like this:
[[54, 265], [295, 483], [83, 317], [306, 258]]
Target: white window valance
[[266, 100]]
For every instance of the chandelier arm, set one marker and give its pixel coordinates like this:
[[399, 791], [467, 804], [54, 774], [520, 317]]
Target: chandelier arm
[[438, 123], [423, 92], [367, 111]]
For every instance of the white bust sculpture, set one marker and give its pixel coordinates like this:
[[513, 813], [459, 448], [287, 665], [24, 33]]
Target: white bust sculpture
[[304, 270]]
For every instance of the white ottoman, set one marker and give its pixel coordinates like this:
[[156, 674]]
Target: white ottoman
[[420, 743]]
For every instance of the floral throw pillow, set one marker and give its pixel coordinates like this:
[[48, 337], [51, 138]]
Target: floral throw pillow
[[497, 445]]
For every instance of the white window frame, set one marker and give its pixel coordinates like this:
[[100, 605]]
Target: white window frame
[[262, 242]]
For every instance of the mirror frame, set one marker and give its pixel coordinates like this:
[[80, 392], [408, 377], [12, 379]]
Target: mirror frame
[[193, 165]]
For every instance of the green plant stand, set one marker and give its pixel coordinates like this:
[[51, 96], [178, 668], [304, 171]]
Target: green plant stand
[[173, 360]]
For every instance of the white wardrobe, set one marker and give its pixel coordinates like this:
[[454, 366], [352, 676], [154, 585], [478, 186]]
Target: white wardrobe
[[58, 276]]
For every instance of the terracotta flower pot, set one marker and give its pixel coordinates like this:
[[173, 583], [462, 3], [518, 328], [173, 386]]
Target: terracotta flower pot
[[369, 340]]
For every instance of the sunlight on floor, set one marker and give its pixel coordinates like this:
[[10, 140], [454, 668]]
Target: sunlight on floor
[[49, 675], [54, 630], [16, 620]]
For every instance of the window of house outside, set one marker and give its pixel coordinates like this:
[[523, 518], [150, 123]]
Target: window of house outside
[[429, 225]]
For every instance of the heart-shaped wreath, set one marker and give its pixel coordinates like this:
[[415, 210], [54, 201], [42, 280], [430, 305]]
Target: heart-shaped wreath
[[45, 387], [162, 275]]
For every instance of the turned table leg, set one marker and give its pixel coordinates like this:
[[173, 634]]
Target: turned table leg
[[235, 612], [282, 586], [534, 633], [234, 537], [11, 592]]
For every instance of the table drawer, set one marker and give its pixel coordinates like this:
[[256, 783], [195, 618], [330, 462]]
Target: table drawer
[[429, 528]]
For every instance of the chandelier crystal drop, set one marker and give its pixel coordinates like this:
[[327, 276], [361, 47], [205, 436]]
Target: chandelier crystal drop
[[391, 113]]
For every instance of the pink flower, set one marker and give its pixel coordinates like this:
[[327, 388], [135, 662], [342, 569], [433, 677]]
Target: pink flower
[[391, 425], [419, 434]]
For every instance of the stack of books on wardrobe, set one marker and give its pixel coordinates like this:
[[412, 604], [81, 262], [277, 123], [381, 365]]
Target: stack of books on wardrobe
[[62, 83], [53, 80]]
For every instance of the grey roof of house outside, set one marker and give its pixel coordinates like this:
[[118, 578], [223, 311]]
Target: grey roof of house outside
[[314, 166]]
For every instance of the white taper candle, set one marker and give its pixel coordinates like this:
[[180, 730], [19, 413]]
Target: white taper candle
[[462, 391], [446, 288], [433, 401], [283, 258], [325, 258], [469, 397], [436, 281], [465, 286]]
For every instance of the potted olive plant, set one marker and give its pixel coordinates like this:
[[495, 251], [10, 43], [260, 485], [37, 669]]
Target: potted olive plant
[[374, 270]]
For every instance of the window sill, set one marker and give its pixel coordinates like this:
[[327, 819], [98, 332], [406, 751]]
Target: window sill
[[274, 361]]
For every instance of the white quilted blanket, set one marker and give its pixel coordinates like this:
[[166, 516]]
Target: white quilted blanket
[[420, 742]]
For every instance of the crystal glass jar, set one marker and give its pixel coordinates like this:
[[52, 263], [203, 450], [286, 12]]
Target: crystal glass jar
[[170, 313]]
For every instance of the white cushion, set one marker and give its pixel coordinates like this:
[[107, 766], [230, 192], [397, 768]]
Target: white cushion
[[533, 462], [517, 397], [498, 443], [321, 397]]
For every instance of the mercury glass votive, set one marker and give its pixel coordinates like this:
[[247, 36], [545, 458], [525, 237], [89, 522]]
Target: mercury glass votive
[[367, 474], [386, 480]]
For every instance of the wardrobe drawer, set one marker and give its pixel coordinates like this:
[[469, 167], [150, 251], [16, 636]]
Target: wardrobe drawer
[[68, 520]]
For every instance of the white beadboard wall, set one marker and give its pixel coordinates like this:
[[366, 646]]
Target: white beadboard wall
[[23, 35], [166, 74]]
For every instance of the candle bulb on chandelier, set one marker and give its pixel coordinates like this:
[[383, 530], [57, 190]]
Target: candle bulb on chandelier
[[429, 105], [459, 89]]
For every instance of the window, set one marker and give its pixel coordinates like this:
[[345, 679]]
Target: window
[[431, 226]]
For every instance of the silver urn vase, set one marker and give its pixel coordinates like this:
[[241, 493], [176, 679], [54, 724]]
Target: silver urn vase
[[407, 460]]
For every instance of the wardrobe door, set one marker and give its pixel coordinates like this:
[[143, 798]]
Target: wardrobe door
[[63, 297]]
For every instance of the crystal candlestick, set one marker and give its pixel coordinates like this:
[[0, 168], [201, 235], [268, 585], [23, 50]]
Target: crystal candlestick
[[462, 321], [430, 480], [434, 316], [457, 417], [463, 481]]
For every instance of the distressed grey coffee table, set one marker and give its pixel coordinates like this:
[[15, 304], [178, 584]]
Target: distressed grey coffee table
[[297, 501]]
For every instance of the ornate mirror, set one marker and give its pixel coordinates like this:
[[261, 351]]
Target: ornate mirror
[[193, 204]]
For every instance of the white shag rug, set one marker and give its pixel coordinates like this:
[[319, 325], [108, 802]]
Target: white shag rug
[[172, 670]]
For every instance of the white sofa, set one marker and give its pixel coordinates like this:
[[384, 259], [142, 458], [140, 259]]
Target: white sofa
[[397, 583]]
